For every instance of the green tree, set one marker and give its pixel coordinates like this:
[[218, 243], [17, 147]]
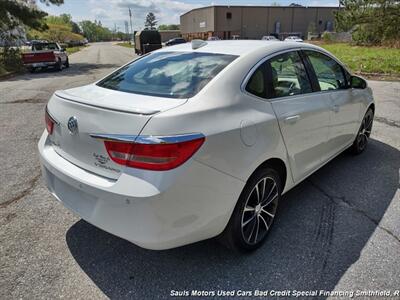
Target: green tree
[[151, 22], [56, 32], [95, 32], [169, 27], [66, 20], [59, 28], [121, 35], [63, 19], [14, 16], [75, 28], [372, 21], [14, 13]]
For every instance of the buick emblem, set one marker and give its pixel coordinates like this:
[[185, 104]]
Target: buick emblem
[[72, 125]]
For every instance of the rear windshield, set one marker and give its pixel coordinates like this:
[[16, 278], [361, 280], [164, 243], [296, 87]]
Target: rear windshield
[[45, 46], [168, 74]]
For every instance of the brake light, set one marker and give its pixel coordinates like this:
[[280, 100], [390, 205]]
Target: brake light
[[156, 157], [49, 122]]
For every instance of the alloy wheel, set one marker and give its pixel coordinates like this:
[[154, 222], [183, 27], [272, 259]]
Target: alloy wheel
[[259, 211], [365, 131]]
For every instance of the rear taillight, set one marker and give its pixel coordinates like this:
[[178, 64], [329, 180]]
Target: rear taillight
[[49, 122], [153, 156]]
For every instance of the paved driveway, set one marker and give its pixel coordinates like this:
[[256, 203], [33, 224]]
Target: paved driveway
[[337, 230]]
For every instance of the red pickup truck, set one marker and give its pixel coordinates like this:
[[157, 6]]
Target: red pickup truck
[[45, 54]]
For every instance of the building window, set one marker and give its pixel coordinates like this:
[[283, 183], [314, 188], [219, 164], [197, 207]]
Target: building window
[[229, 15]]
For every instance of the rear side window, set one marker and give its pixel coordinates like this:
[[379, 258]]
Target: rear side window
[[257, 82], [329, 73], [288, 76], [168, 74]]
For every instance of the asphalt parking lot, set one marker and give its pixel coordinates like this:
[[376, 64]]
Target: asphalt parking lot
[[338, 230]]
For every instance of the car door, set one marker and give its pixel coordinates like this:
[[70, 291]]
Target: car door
[[333, 81], [303, 115]]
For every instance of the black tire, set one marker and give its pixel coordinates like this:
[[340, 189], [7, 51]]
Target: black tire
[[32, 69], [363, 134], [67, 63], [58, 65], [240, 235]]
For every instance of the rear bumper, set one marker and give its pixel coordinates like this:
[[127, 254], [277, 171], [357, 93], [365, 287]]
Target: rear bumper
[[155, 210], [40, 64]]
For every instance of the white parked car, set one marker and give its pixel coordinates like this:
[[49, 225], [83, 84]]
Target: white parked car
[[269, 38], [293, 39], [193, 142]]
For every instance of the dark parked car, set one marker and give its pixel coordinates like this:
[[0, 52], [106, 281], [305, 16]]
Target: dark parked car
[[175, 41]]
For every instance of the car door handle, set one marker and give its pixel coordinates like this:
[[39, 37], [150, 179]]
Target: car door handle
[[292, 119], [335, 108]]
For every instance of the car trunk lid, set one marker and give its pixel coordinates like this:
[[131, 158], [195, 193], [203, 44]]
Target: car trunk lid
[[99, 111]]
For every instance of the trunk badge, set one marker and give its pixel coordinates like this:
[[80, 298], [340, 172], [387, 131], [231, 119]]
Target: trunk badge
[[72, 125]]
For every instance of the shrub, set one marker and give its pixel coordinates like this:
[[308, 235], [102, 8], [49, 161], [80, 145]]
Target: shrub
[[373, 22], [327, 37], [366, 35], [10, 59]]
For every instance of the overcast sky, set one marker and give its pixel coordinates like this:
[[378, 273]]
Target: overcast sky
[[166, 11]]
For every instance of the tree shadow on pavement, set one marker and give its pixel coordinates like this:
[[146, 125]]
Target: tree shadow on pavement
[[322, 226]]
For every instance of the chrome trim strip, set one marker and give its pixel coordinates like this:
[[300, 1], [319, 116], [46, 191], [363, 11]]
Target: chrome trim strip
[[148, 139], [114, 137]]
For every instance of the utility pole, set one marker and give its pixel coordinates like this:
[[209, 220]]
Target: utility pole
[[126, 31], [130, 19]]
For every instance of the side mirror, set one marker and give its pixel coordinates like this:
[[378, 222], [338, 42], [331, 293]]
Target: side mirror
[[357, 82], [63, 49]]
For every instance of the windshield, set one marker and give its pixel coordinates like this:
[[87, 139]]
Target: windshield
[[168, 74]]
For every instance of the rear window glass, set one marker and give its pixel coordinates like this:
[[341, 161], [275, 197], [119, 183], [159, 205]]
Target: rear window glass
[[168, 74], [44, 46]]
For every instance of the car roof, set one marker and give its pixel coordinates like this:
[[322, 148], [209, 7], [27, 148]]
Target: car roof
[[238, 47]]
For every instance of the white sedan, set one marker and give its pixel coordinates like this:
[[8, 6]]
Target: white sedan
[[293, 39], [269, 38], [201, 139]]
